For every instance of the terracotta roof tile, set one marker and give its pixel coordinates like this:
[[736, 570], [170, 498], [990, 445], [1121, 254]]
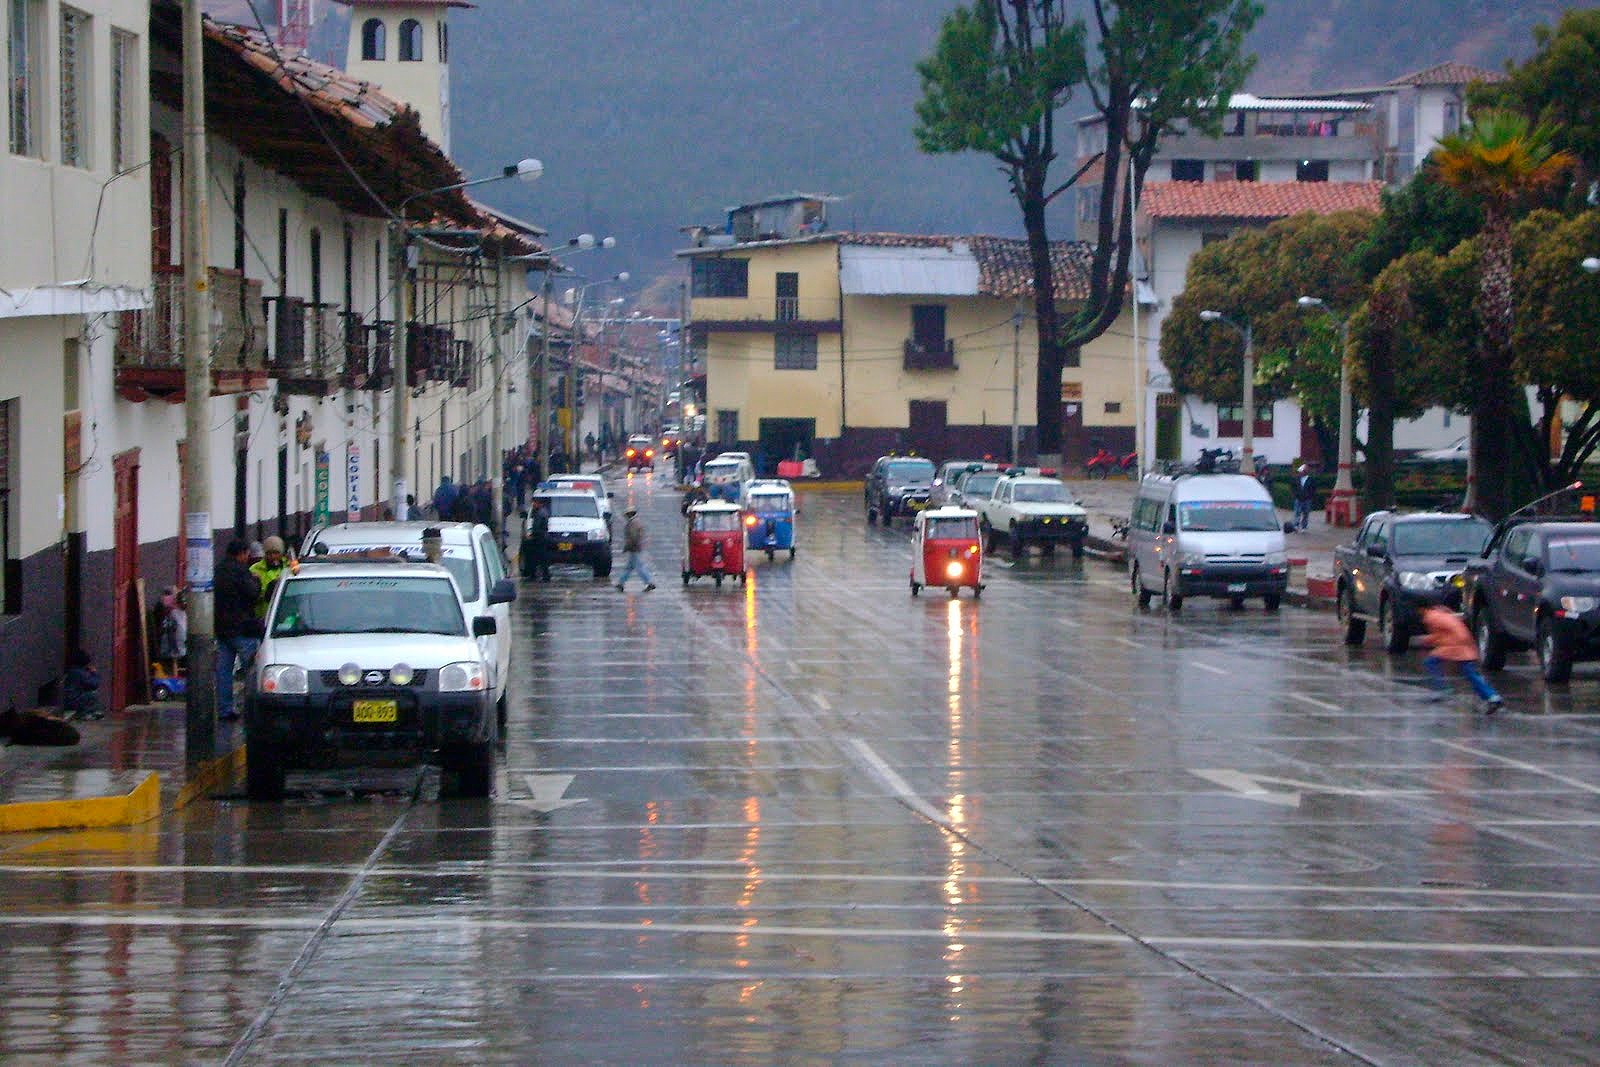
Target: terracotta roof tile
[[1449, 74], [1256, 200]]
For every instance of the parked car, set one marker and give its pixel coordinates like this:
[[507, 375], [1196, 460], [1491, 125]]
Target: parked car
[[367, 662], [1455, 452], [1537, 585], [577, 532], [1213, 535], [467, 550], [593, 484], [973, 487], [1030, 507], [944, 480], [898, 486], [1399, 564]]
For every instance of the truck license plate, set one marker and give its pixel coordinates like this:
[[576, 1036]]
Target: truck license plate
[[376, 711], [1236, 587], [564, 546]]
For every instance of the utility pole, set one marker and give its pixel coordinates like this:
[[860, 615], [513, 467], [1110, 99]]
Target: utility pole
[[497, 464], [544, 377], [200, 703], [1016, 383], [400, 238]]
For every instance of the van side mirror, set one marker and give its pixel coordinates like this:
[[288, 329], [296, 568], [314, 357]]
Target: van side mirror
[[1375, 551], [502, 592], [1169, 528], [484, 626], [1533, 566]]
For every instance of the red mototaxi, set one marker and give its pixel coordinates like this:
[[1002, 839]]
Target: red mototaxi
[[713, 542], [946, 551]]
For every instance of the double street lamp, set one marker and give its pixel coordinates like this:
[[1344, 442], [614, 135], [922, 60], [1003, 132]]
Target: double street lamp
[[1340, 504], [527, 170], [1247, 460]]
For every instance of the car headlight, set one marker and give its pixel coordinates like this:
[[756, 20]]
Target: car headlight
[[1192, 559], [597, 535], [1415, 581], [1277, 559], [284, 678], [1577, 605], [467, 676]]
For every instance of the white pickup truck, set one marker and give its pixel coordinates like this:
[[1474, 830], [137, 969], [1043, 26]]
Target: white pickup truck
[[1031, 508]]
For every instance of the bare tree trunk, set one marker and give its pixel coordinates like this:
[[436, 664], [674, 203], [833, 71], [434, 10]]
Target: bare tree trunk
[[1492, 411], [1047, 386]]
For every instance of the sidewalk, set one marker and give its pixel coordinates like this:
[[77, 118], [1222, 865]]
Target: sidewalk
[[1310, 553], [126, 769]]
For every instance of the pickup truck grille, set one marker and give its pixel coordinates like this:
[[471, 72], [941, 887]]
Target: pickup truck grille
[[1236, 557]]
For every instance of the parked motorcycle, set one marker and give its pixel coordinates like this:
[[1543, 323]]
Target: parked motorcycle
[[1103, 464]]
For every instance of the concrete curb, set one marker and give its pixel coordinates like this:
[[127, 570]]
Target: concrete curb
[[141, 804]]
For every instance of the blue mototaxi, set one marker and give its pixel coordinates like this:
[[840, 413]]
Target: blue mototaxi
[[769, 517]]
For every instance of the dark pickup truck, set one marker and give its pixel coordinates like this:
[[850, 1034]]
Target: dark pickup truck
[[1538, 584], [1397, 565]]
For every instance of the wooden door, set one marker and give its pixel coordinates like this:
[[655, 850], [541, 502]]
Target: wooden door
[[926, 433], [1074, 441], [127, 653]]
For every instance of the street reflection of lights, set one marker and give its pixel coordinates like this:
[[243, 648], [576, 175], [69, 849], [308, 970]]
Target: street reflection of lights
[[748, 856], [752, 643]]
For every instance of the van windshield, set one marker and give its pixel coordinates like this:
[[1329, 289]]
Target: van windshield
[[1227, 516]]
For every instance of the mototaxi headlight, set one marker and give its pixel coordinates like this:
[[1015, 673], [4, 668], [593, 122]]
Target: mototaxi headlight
[[465, 676], [1415, 581], [349, 674], [1277, 559], [401, 674], [285, 679], [954, 569], [1577, 605]]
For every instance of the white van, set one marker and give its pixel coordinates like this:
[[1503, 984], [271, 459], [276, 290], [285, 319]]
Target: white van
[[726, 477], [1215, 535]]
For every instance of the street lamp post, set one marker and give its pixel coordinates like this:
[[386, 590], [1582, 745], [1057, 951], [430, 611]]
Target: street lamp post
[[1247, 460], [526, 170], [1341, 504], [571, 438]]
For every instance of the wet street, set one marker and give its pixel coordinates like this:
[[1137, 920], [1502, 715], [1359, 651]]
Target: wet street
[[815, 819]]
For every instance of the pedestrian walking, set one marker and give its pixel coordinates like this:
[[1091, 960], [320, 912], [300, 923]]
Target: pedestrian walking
[[1305, 497], [236, 591], [444, 498], [534, 553], [267, 571], [633, 548], [588, 445], [1449, 641]]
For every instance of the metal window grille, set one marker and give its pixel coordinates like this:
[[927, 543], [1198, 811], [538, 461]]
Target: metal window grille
[[795, 351], [74, 53], [122, 74], [24, 71]]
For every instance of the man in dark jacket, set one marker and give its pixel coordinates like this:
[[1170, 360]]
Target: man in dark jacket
[[238, 627], [535, 543]]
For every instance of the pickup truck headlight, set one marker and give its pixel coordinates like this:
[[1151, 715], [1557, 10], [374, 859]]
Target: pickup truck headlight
[[467, 676], [1192, 559], [597, 535], [284, 678], [1577, 605], [1415, 581]]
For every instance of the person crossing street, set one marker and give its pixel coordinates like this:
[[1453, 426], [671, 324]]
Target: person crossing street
[[633, 547]]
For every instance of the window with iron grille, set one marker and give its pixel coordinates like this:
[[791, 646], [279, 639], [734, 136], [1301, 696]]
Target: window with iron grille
[[795, 351], [720, 278], [124, 87], [727, 427], [75, 60], [26, 69]]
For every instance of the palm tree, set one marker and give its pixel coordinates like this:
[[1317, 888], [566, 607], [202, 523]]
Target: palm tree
[[1500, 160]]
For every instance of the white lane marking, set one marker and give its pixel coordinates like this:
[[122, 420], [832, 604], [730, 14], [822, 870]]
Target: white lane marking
[[1130, 642], [821, 701], [1248, 784], [1314, 702], [1208, 667], [399, 925], [548, 792], [1531, 767], [886, 774]]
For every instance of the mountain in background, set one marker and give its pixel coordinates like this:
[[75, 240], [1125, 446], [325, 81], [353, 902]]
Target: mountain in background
[[653, 116]]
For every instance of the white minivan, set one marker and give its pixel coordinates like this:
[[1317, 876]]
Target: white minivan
[[1212, 535]]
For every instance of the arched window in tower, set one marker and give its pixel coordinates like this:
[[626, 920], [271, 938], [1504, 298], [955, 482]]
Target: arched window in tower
[[372, 39], [410, 41]]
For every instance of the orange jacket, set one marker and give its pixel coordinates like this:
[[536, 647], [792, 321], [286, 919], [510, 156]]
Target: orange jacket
[[1448, 636]]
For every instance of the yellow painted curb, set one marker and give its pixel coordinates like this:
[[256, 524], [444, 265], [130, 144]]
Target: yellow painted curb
[[129, 809], [143, 803]]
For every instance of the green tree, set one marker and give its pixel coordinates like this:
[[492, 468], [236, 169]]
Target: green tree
[[1558, 86], [1000, 71], [1499, 161]]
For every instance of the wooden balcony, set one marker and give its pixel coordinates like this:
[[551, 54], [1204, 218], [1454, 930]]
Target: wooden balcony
[[150, 342], [923, 356], [308, 355]]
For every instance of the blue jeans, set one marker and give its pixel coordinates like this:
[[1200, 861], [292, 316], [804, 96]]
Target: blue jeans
[[635, 563], [1302, 513], [1469, 670], [231, 651]]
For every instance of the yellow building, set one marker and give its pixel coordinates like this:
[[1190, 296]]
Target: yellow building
[[845, 346]]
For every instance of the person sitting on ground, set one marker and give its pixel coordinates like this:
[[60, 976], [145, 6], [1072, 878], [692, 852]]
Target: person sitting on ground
[[80, 688]]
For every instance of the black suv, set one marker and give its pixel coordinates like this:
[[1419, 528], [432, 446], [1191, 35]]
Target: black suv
[[1397, 565], [1538, 584], [898, 485]]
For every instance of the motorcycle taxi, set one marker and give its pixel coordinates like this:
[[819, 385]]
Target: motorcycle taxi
[[713, 542], [769, 516], [946, 551]]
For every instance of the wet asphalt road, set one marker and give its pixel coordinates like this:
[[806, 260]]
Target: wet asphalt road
[[814, 819]]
